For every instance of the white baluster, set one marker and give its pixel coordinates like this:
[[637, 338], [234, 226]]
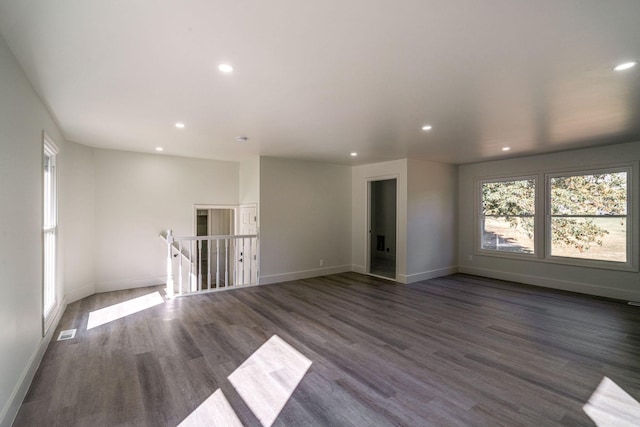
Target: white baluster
[[244, 260], [191, 261], [180, 266], [250, 260], [169, 264], [209, 264], [217, 263], [235, 263], [199, 266], [226, 262]]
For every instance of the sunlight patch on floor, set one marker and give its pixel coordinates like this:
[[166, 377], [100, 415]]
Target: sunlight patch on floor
[[267, 379], [215, 411], [123, 309], [611, 406]]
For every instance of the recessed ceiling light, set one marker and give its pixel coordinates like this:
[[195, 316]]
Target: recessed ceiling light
[[159, 149], [180, 125], [427, 127], [354, 154], [225, 68], [625, 66], [506, 148]]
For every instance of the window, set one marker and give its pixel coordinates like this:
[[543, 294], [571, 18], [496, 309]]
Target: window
[[50, 230], [581, 218], [588, 216], [507, 217]]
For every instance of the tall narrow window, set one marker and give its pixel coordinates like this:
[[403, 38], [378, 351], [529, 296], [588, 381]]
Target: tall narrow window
[[50, 230], [507, 216], [588, 216]]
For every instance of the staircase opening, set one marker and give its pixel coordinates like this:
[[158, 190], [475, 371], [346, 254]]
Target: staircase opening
[[215, 222]]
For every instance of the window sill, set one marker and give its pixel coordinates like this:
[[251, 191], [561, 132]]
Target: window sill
[[564, 261]]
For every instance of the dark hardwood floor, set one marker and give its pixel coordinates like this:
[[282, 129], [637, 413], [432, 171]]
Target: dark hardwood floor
[[453, 351]]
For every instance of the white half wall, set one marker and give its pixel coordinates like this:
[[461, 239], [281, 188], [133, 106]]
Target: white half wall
[[432, 201], [305, 217], [427, 209], [138, 196], [23, 118], [609, 283]]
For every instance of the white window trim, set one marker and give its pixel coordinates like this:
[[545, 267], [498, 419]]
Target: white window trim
[[48, 316], [632, 240], [479, 250]]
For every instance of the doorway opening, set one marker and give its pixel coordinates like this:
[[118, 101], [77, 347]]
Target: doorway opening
[[382, 228]]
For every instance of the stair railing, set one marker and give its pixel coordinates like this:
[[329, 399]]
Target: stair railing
[[210, 263]]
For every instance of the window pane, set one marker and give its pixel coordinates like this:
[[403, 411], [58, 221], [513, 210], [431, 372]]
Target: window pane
[[508, 234], [590, 238], [48, 190], [49, 271], [596, 194], [49, 233], [506, 198], [508, 208]]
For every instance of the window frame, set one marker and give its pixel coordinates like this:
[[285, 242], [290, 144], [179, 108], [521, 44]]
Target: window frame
[[631, 241], [50, 303], [542, 221], [479, 250]]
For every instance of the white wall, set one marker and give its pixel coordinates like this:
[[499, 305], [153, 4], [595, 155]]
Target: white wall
[[23, 117], [360, 175], [609, 283], [431, 220], [77, 211], [250, 180], [427, 208], [138, 196], [305, 216]]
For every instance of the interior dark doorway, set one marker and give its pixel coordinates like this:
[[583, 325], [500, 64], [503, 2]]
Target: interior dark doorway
[[382, 228]]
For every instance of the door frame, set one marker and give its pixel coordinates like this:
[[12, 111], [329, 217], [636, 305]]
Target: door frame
[[198, 207], [367, 231]]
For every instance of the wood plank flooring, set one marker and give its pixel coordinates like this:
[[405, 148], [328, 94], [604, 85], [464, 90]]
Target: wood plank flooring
[[454, 351]]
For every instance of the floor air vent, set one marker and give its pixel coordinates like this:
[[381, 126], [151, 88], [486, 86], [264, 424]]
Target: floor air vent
[[67, 335]]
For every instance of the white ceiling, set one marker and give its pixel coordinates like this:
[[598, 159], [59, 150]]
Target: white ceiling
[[318, 79]]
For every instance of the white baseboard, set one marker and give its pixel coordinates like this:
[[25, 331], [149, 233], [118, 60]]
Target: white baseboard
[[80, 293], [426, 275], [358, 269], [11, 408], [565, 285], [306, 274], [119, 285]]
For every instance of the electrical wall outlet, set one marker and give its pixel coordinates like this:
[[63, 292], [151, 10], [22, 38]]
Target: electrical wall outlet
[[470, 257], [321, 263]]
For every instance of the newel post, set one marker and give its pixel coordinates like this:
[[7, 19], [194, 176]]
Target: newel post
[[169, 264]]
